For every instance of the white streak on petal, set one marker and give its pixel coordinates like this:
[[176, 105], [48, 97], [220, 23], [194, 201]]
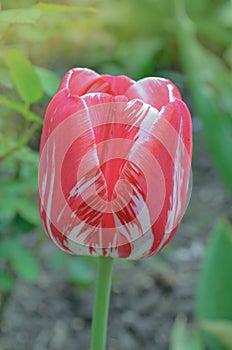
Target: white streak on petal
[[149, 119], [73, 214], [75, 245], [70, 73], [100, 236], [61, 212], [143, 215], [176, 197], [74, 233], [124, 229], [50, 195], [112, 251], [82, 185], [171, 92], [142, 243], [44, 183], [137, 232], [142, 246]]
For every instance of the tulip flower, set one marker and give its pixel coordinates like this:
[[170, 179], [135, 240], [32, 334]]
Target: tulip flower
[[114, 165]]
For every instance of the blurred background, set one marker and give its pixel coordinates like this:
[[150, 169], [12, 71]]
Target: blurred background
[[179, 299]]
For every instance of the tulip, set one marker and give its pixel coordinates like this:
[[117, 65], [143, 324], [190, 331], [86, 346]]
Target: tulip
[[115, 164], [114, 171]]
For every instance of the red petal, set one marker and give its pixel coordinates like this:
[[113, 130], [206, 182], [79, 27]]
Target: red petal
[[118, 85], [155, 91], [80, 81], [61, 106], [174, 132]]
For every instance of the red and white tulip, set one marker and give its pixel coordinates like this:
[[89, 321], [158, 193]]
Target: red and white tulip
[[114, 164]]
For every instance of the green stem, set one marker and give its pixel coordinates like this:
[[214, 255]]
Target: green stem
[[101, 304]]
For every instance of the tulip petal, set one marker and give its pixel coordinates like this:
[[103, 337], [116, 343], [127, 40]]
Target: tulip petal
[[174, 132], [119, 84], [61, 107], [155, 91], [168, 142], [80, 81]]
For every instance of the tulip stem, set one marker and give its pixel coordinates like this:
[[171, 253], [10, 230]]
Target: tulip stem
[[101, 304]]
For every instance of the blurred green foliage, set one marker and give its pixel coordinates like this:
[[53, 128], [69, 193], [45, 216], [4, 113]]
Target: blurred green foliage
[[213, 297], [24, 91], [184, 40]]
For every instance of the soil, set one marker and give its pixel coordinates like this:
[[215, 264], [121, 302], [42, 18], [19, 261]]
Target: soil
[[146, 296]]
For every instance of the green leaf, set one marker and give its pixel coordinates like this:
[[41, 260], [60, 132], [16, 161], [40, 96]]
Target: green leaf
[[6, 281], [50, 81], [24, 76], [26, 265], [178, 335], [25, 15], [21, 109], [222, 330], [48, 8], [181, 340], [213, 297]]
